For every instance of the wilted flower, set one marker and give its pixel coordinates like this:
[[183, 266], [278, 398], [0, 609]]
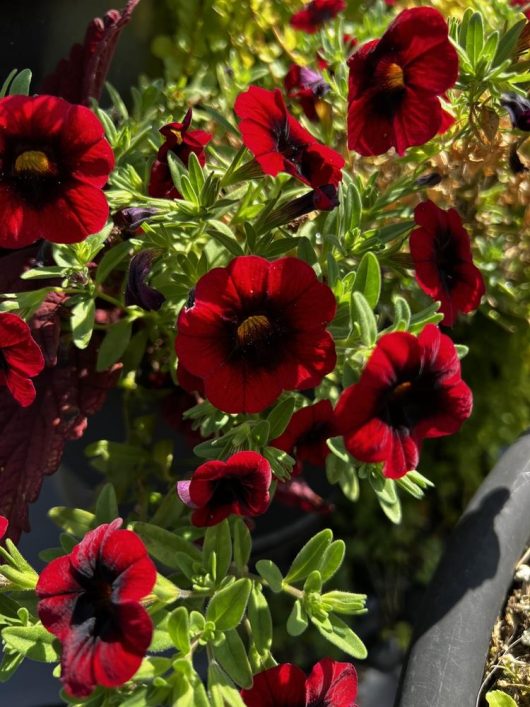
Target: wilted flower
[[90, 600], [411, 389], [280, 143], [218, 489], [286, 685], [138, 292], [313, 15], [131, 218], [54, 162], [20, 358], [180, 141], [307, 87], [519, 109], [441, 253], [395, 82], [256, 328]]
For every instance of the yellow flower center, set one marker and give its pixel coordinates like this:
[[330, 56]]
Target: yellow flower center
[[253, 329], [178, 135], [33, 161], [394, 77]]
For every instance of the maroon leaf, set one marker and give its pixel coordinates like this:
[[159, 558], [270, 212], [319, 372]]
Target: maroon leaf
[[33, 438], [81, 76]]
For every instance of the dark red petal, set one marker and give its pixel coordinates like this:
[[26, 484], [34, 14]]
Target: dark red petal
[[20, 387], [370, 132], [281, 686], [125, 555], [417, 121], [56, 613], [235, 388], [403, 456], [3, 526], [331, 683], [77, 664], [78, 212], [12, 231]]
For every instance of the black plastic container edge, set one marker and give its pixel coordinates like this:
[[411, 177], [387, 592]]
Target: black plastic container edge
[[451, 636]]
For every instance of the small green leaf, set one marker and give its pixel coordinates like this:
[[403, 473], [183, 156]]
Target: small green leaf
[[34, 642], [82, 322], [368, 279], [332, 559], [106, 505], [232, 657], [72, 520], [227, 606], [21, 83], [475, 38], [497, 698], [164, 545], [340, 634], [260, 619], [271, 574], [111, 259], [362, 315], [114, 344], [221, 688], [345, 602], [309, 557], [297, 621], [242, 542], [10, 662], [508, 43], [178, 627], [217, 540], [279, 417]]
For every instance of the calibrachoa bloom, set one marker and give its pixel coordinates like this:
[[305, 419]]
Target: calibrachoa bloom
[[181, 142], [307, 87], [54, 161], [313, 15], [306, 434], [441, 252], [3, 526], [138, 291], [286, 685], [90, 599], [20, 358], [410, 389], [256, 328], [218, 489], [280, 143], [395, 82]]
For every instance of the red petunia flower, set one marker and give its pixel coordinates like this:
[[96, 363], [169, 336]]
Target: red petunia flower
[[20, 358], [313, 15], [280, 144], [330, 683], [218, 489], [411, 389], [441, 252], [54, 161], [395, 82], [3, 526], [256, 328], [307, 87], [306, 434], [181, 142], [90, 599]]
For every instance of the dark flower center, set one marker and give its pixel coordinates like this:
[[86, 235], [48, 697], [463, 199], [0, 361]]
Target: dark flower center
[[228, 490], [315, 434], [289, 148], [32, 172], [409, 402], [33, 161], [95, 611], [178, 136], [446, 258], [4, 367], [258, 337], [254, 330], [389, 81]]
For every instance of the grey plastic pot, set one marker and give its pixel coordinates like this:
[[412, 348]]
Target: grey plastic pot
[[450, 642]]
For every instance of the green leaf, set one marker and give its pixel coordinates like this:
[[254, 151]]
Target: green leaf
[[10, 662], [75, 521], [402, 314], [332, 559], [297, 621], [344, 602], [21, 83], [163, 544], [225, 237], [33, 642], [260, 619], [44, 272], [362, 315], [227, 606], [242, 542], [497, 698], [340, 634], [271, 574], [368, 279], [7, 81], [279, 417], [217, 540], [309, 557], [82, 322], [475, 38], [106, 505], [111, 259], [196, 175], [178, 627], [114, 344], [222, 689], [508, 43], [232, 657]]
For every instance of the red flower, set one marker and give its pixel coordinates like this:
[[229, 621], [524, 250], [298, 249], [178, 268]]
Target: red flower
[[395, 82], [307, 87], [188, 382], [280, 143], [20, 358], [441, 251], [181, 142], [306, 434], [90, 599], [217, 489], [411, 389], [54, 161], [296, 493], [330, 683], [256, 328], [313, 15], [3, 526]]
